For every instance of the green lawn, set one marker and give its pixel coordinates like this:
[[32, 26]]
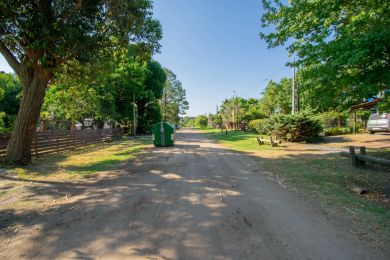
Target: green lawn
[[237, 140], [84, 161]]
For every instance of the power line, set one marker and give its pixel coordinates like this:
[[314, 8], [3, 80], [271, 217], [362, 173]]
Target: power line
[[261, 83]]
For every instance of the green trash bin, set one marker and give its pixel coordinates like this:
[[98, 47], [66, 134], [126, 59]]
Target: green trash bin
[[163, 134]]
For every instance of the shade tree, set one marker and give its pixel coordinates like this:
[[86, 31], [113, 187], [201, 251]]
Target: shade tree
[[38, 37]]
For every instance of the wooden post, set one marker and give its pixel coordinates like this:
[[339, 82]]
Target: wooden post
[[362, 152], [364, 124], [56, 136], [74, 138], [354, 122], [36, 145], [353, 156]]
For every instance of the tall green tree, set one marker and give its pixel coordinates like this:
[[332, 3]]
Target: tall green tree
[[148, 108], [343, 47], [173, 102], [276, 97], [37, 37], [9, 98]]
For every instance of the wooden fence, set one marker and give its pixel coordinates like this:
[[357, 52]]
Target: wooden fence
[[63, 140], [362, 158]]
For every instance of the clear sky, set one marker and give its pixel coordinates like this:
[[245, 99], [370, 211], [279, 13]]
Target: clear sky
[[213, 47]]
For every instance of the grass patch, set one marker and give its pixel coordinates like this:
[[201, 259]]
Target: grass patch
[[328, 180], [84, 161], [237, 140]]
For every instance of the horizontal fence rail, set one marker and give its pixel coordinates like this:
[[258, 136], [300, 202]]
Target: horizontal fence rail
[[360, 159], [63, 140]]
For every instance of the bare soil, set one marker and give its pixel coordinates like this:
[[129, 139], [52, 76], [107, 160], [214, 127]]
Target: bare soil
[[375, 141], [196, 200]]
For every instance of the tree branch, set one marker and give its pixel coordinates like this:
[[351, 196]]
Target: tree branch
[[10, 58]]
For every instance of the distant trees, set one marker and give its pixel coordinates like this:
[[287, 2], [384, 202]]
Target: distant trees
[[237, 110], [201, 121], [276, 97], [173, 102]]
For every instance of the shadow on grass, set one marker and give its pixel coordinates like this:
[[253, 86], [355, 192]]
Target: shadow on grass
[[102, 157], [93, 167]]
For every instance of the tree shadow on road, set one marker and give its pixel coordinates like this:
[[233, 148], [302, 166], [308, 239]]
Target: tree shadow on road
[[150, 206]]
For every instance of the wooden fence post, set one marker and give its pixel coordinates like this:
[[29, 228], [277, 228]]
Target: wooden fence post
[[353, 156], [36, 144], [362, 152], [56, 137]]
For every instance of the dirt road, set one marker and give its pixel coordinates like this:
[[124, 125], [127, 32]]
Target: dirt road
[[196, 200]]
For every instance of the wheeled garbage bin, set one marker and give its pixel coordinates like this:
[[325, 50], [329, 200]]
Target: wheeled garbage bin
[[163, 134]]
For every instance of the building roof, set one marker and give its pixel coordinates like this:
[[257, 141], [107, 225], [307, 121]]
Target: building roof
[[366, 105]]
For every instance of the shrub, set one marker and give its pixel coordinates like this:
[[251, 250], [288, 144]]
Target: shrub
[[338, 131], [332, 119], [299, 127], [258, 125], [201, 121]]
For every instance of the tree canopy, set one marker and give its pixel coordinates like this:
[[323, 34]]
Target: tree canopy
[[9, 99], [173, 102], [38, 38], [343, 47]]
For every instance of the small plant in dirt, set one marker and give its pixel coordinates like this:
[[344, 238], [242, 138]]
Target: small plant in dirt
[[300, 127], [338, 131]]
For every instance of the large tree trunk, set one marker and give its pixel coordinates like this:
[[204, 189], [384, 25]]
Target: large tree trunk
[[33, 90]]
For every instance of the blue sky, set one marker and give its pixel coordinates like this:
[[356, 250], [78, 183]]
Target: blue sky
[[213, 47]]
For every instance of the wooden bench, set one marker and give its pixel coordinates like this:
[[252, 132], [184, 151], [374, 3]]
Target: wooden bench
[[269, 141]]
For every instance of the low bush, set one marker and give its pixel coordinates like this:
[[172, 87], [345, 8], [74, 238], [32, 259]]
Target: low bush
[[338, 131], [332, 119], [201, 121], [300, 127], [258, 125]]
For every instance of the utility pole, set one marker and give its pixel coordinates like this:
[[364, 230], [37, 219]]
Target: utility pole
[[234, 110], [293, 94], [165, 104], [134, 127]]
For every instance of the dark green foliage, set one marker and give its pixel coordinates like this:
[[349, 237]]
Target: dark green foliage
[[49, 33], [38, 38], [10, 93], [276, 97], [173, 102], [333, 119], [384, 105], [299, 127], [201, 121], [149, 111], [188, 122], [259, 126], [152, 115], [342, 47]]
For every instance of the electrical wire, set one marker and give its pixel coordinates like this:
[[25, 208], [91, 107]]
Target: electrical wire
[[261, 83]]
